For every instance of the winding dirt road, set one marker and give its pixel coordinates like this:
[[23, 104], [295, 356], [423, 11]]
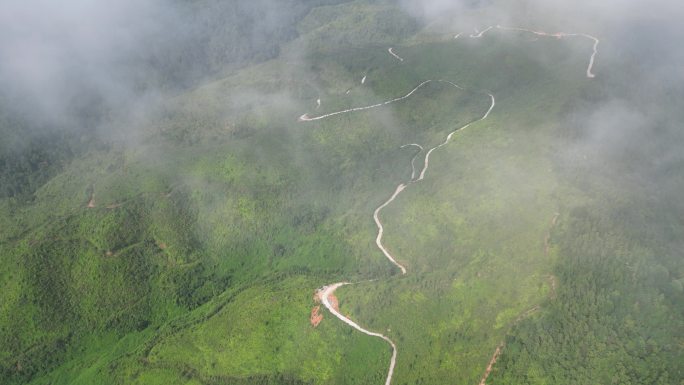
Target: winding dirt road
[[391, 51], [381, 230], [307, 118], [326, 292], [426, 164], [478, 35], [557, 35]]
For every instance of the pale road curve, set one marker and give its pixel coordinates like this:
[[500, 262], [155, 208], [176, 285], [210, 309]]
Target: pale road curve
[[558, 35], [325, 292], [381, 230], [413, 160], [479, 34], [306, 118], [391, 51], [426, 164]]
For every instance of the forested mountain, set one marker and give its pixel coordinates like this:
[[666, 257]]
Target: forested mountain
[[296, 191]]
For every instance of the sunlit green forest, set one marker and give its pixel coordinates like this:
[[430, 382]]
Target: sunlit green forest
[[185, 245]]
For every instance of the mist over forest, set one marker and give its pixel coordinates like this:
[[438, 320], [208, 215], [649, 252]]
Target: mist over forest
[[184, 182]]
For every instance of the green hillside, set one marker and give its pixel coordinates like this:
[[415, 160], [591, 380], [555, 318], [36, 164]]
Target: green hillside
[[191, 253]]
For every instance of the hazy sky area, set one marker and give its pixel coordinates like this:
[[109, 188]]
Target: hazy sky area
[[69, 60], [568, 12], [60, 56], [63, 61]]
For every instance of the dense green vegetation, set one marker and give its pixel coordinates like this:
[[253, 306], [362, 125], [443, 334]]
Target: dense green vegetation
[[617, 317], [198, 260], [618, 307]]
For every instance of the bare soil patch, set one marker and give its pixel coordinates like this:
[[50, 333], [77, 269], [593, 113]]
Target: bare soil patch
[[316, 316]]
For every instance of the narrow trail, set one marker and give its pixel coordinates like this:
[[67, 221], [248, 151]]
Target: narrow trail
[[326, 292], [502, 344], [557, 35], [490, 365], [391, 51]]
